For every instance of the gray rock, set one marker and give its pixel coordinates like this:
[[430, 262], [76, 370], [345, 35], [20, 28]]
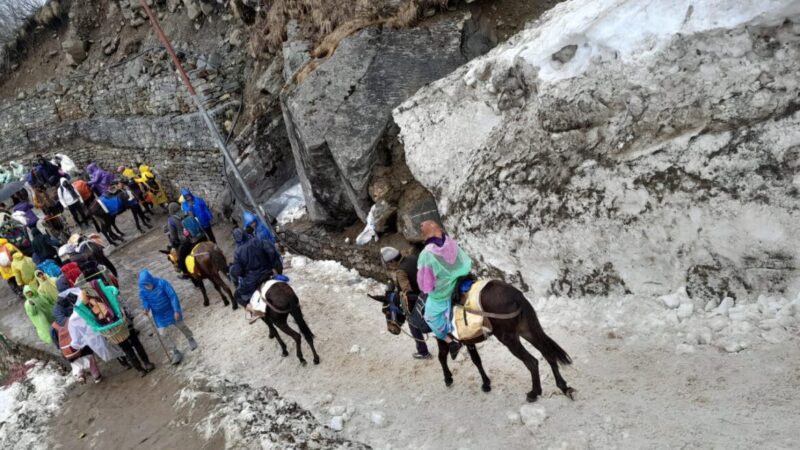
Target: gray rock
[[416, 206], [271, 80], [338, 114], [296, 51], [75, 50], [565, 54], [192, 9]]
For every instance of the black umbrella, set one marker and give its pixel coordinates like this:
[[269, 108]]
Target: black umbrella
[[10, 189]]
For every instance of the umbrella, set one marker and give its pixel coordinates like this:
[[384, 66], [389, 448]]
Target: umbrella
[[10, 189]]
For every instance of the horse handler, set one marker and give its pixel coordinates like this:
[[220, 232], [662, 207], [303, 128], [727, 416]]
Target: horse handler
[[158, 296]]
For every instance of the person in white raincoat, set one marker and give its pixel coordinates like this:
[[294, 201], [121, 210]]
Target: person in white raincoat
[[83, 336]]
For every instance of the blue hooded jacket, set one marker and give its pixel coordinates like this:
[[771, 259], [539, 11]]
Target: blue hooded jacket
[[162, 300], [262, 232], [253, 263], [198, 209]]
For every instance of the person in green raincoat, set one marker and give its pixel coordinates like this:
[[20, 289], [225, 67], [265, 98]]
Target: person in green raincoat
[[46, 286], [40, 311]]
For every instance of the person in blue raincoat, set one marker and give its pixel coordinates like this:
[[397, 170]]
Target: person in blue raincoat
[[160, 300], [254, 262], [197, 207], [255, 227]]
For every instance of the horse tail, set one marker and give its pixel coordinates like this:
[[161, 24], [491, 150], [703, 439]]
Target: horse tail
[[544, 343], [297, 315]]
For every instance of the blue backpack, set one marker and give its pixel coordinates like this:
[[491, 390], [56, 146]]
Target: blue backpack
[[191, 225]]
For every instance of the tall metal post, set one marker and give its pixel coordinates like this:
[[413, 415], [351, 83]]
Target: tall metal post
[[212, 127]]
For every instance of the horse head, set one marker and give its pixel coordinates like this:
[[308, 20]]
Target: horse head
[[172, 255], [392, 310]]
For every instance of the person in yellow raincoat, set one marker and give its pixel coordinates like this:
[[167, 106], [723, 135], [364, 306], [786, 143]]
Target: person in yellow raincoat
[[7, 251], [46, 286], [40, 311], [23, 269], [158, 196]]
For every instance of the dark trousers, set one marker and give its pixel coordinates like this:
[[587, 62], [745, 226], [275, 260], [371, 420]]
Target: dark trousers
[[210, 234], [183, 251], [134, 352], [78, 213], [138, 214], [422, 347]]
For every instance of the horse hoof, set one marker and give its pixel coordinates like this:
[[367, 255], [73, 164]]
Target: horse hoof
[[205, 304], [303, 362], [486, 388], [448, 382], [316, 360], [235, 306], [531, 397], [570, 393], [284, 353]]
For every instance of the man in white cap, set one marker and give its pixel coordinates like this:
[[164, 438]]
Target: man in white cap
[[403, 272]]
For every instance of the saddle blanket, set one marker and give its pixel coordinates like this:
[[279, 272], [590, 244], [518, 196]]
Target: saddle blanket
[[465, 324], [190, 261], [258, 301]]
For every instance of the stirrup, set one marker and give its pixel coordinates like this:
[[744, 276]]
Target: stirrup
[[252, 316]]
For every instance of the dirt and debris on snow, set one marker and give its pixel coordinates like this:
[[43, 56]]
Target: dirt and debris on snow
[[27, 404]]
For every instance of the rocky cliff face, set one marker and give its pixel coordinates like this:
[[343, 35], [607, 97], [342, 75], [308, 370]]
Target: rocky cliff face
[[626, 145], [337, 115]]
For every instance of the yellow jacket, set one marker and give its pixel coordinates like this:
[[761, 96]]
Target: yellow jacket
[[5, 271]]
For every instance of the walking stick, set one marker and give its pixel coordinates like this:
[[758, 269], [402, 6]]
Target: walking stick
[[164, 347]]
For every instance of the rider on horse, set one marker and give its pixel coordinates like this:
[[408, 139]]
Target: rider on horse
[[402, 270], [181, 238], [255, 261], [440, 265]]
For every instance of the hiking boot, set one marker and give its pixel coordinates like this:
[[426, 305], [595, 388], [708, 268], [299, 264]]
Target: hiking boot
[[177, 357], [455, 346], [192, 344], [421, 356], [149, 367], [98, 380]]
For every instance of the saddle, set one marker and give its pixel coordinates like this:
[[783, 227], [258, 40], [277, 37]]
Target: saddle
[[466, 323]]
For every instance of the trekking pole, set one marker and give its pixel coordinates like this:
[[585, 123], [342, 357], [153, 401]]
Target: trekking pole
[[158, 336], [204, 114]]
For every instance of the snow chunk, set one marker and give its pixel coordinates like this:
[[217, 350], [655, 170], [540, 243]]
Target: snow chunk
[[533, 416], [337, 423], [676, 299]]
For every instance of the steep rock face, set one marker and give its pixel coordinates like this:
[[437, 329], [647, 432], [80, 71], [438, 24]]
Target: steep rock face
[[624, 145], [337, 115]]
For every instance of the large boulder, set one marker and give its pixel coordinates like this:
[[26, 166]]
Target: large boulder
[[627, 146], [337, 114], [264, 157]]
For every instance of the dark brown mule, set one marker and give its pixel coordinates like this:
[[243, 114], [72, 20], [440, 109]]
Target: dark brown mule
[[209, 262], [282, 302], [511, 317]]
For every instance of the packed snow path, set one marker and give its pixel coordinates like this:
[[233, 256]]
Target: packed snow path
[[649, 372]]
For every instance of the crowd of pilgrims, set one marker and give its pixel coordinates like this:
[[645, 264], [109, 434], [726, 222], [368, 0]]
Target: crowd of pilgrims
[[68, 285]]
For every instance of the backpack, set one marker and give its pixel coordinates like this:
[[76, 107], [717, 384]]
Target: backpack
[[65, 341], [192, 227], [83, 189]]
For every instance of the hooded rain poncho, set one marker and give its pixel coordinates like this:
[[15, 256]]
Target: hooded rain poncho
[[198, 208], [47, 289], [40, 311], [161, 299], [23, 269]]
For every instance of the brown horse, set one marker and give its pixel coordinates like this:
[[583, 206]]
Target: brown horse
[[281, 301], [209, 263], [511, 316]]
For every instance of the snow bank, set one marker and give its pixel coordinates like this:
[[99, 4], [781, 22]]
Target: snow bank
[[674, 321], [288, 204], [624, 146], [27, 405], [609, 30]]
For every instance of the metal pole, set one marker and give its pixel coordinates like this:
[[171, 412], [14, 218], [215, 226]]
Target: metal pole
[[209, 123]]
